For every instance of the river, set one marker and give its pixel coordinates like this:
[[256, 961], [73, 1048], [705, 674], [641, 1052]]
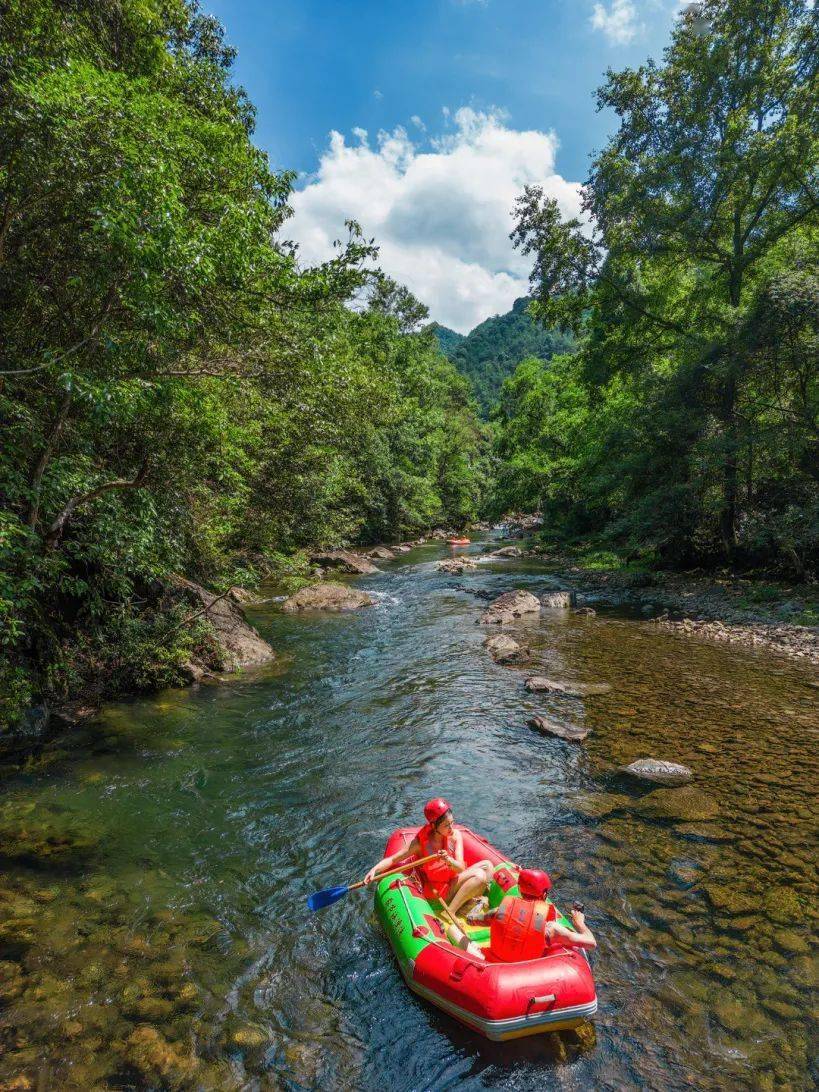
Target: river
[[154, 928]]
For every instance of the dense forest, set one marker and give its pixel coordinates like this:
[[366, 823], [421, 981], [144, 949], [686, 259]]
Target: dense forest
[[684, 427], [489, 354], [179, 395]]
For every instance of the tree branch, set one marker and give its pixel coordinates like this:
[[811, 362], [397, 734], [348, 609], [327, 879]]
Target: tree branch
[[42, 462], [58, 526]]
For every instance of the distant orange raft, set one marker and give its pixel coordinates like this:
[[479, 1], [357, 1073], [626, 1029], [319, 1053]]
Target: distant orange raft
[[459, 541]]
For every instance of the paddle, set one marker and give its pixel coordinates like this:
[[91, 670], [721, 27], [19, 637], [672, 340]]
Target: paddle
[[319, 899]]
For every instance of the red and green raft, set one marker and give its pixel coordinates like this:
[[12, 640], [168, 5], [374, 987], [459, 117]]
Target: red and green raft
[[499, 1000]]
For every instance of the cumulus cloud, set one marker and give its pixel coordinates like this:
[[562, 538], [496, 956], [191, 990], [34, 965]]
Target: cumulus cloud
[[618, 22], [441, 215]]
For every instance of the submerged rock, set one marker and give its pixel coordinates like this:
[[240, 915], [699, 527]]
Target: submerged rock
[[45, 839], [505, 649], [456, 565], [344, 560], [572, 733], [558, 600], [507, 551], [571, 689], [687, 804], [327, 596], [510, 606], [728, 900], [600, 804], [149, 1052], [705, 832], [658, 771]]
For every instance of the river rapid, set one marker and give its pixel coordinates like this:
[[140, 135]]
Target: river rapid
[[152, 907]]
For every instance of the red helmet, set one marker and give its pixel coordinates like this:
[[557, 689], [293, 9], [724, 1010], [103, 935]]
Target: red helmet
[[436, 809], [533, 883]]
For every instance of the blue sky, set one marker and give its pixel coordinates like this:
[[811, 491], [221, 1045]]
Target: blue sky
[[446, 106]]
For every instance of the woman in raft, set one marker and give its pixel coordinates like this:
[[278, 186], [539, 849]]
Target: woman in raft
[[446, 878]]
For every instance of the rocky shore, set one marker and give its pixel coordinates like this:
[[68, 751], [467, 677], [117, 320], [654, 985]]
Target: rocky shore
[[720, 609]]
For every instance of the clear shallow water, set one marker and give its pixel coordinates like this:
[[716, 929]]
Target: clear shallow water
[[164, 941]]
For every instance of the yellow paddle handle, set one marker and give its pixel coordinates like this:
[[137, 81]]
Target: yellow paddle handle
[[398, 868]]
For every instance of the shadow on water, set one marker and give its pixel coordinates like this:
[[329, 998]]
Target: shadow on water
[[152, 924]]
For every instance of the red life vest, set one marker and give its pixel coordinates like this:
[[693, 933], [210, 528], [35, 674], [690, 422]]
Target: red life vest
[[517, 931], [437, 874]]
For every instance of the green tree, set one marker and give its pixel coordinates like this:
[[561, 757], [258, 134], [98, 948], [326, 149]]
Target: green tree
[[711, 173]]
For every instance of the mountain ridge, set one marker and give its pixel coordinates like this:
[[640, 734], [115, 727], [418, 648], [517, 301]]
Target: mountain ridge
[[489, 353]]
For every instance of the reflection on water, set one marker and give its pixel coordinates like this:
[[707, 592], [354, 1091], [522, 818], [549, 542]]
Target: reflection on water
[[152, 922]]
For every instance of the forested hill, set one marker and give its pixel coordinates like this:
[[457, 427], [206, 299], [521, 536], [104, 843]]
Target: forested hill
[[490, 353], [449, 340]]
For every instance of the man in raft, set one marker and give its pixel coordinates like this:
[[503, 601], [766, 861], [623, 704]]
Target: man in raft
[[447, 878], [523, 927]]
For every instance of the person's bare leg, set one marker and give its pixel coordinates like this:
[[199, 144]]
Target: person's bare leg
[[471, 882]]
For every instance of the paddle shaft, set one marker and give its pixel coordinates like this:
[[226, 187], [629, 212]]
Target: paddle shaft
[[398, 868]]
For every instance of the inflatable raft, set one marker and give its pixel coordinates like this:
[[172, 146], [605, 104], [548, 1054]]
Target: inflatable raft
[[459, 541], [499, 1000]]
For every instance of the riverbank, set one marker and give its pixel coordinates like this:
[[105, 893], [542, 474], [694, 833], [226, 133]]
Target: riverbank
[[777, 616], [178, 633]]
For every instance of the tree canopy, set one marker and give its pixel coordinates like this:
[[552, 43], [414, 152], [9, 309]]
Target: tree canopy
[[692, 280], [177, 392]]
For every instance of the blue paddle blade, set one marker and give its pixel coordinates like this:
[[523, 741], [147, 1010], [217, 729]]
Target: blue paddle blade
[[320, 899]]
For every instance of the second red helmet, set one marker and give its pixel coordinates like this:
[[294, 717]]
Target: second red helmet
[[435, 809], [534, 883]]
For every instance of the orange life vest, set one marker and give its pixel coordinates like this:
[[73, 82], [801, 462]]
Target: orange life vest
[[517, 931], [437, 874]]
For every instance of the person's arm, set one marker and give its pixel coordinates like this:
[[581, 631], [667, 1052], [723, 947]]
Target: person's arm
[[579, 937], [386, 863], [455, 860]]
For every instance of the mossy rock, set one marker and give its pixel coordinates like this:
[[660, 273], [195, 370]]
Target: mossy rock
[[729, 900], [599, 805], [724, 971], [782, 1009], [791, 943], [157, 1060], [782, 905], [46, 844], [152, 1009], [704, 832], [686, 804], [249, 1038]]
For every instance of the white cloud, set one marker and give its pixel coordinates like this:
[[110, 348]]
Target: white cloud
[[618, 22], [441, 216]]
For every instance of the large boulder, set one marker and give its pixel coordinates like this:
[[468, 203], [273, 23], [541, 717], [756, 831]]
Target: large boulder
[[457, 565], [327, 596], [572, 733], [344, 560], [382, 552], [510, 606], [658, 771], [539, 683], [239, 642], [505, 649], [558, 600]]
